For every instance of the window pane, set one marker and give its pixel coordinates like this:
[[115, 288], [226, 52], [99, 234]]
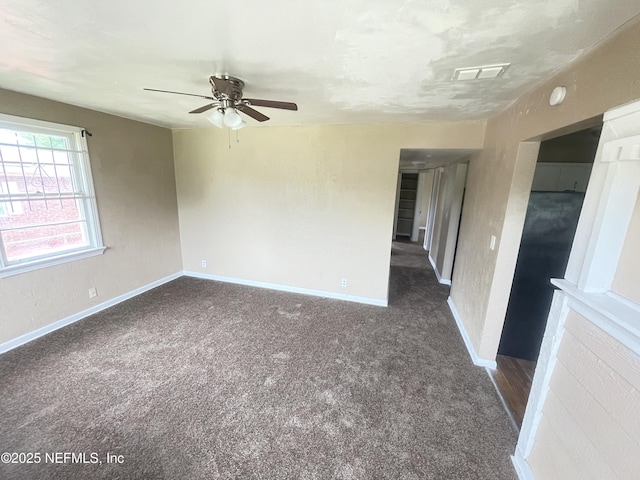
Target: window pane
[[38, 212], [37, 241], [25, 138], [11, 175], [34, 175], [9, 208], [8, 136], [47, 179], [64, 178], [51, 141], [45, 155], [61, 157], [10, 154]]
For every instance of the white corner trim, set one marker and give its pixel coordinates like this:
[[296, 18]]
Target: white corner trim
[[545, 367], [480, 362], [622, 111], [614, 314], [287, 288], [522, 468], [27, 337], [444, 281]]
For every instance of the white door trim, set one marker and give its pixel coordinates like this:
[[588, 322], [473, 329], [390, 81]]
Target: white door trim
[[433, 204], [395, 214]]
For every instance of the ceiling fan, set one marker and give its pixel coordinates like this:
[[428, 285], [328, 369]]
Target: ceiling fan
[[228, 101]]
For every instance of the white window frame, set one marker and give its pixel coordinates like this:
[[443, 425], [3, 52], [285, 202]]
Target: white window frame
[[82, 174]]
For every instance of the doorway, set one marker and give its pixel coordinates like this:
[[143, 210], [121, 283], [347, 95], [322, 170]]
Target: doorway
[[407, 198], [560, 180]]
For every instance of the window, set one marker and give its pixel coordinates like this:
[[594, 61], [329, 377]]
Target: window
[[48, 211]]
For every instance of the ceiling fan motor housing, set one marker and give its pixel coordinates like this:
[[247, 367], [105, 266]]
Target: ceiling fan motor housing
[[236, 86]]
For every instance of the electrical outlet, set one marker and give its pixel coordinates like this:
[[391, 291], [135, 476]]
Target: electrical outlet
[[93, 292], [344, 282], [492, 243], [204, 263]]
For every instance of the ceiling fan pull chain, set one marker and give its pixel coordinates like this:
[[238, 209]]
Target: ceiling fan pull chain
[[237, 136], [229, 137]]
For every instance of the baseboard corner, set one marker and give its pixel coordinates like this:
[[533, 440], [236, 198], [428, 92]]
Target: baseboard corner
[[480, 362], [441, 280]]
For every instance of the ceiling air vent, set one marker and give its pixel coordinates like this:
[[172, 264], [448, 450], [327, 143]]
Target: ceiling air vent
[[476, 73]]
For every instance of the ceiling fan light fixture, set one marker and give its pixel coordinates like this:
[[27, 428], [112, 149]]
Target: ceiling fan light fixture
[[217, 118], [232, 119], [241, 125]]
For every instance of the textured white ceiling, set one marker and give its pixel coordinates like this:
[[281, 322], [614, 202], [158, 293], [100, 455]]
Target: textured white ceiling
[[347, 61]]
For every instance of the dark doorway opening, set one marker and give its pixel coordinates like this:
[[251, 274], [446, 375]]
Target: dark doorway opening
[[561, 178]]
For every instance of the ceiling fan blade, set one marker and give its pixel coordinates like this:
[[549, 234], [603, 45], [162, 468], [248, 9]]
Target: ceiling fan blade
[[204, 108], [179, 93], [222, 85], [256, 115], [272, 104]]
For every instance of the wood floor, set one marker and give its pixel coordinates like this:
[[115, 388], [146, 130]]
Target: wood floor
[[513, 379]]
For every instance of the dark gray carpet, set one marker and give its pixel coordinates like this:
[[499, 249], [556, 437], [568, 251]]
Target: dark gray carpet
[[204, 380]]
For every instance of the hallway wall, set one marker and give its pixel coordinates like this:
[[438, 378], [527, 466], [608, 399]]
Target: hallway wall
[[500, 178]]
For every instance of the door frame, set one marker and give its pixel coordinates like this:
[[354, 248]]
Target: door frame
[[602, 229], [432, 208]]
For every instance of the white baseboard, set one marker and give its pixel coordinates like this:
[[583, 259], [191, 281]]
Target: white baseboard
[[444, 281], [286, 288], [481, 362], [27, 337], [522, 468]]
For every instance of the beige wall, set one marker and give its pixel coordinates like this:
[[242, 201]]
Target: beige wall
[[589, 427], [135, 188], [301, 206], [626, 281], [500, 178]]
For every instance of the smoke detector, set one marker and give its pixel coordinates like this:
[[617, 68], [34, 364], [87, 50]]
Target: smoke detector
[[557, 96], [478, 73]]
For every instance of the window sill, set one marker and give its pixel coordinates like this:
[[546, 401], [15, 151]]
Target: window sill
[[612, 313], [50, 262]]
